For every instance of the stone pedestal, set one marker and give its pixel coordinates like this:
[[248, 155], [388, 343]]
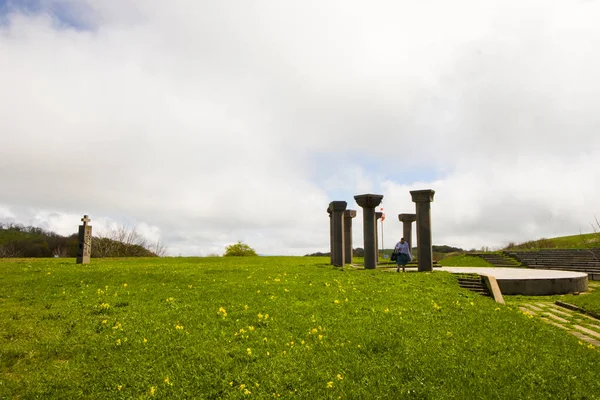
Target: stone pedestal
[[84, 252], [423, 199], [407, 220], [377, 218], [368, 202], [348, 215], [337, 236]]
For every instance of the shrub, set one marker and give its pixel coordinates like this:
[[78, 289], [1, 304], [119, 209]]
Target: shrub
[[239, 250]]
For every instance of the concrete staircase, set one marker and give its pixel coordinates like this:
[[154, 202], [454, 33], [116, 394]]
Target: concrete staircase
[[498, 259], [474, 283]]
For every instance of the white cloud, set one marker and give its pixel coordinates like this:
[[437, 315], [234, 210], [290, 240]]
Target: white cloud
[[207, 123]]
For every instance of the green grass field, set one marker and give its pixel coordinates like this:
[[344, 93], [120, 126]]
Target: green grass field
[[269, 327], [464, 260]]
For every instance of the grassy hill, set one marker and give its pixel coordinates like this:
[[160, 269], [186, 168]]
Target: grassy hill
[[564, 242], [265, 327]]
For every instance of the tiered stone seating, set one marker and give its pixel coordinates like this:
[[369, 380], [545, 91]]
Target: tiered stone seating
[[497, 259], [580, 260]]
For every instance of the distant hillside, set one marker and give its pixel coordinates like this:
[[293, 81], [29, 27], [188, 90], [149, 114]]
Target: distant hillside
[[30, 241], [360, 252], [581, 241]]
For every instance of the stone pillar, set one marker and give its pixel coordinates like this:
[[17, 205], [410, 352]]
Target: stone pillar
[[330, 236], [377, 218], [407, 220], [423, 199], [348, 215], [85, 242], [368, 202], [337, 237]]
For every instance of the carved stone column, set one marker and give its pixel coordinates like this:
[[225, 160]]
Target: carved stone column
[[423, 199], [85, 242], [377, 218], [337, 237], [330, 236], [407, 220], [368, 202], [348, 215]]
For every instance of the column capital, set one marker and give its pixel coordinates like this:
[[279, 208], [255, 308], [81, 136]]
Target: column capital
[[407, 217], [350, 213], [337, 206], [421, 196], [368, 200]]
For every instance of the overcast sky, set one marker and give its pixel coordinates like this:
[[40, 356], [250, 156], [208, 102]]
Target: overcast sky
[[207, 122]]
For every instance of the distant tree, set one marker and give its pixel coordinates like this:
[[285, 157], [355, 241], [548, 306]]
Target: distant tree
[[123, 241], [239, 250], [9, 250]]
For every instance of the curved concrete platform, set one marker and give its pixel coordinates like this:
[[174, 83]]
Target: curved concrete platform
[[529, 282]]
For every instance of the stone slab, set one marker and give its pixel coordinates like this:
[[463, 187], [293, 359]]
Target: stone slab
[[530, 282], [588, 331], [556, 317]]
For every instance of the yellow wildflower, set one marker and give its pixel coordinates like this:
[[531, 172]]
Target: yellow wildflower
[[249, 351], [179, 327], [339, 377], [329, 385], [118, 342], [125, 285], [145, 340], [251, 328], [152, 391], [119, 387], [336, 301]]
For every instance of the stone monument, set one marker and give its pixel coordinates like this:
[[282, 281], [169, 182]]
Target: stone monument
[[348, 215], [337, 235], [423, 199], [330, 236], [407, 220], [368, 202], [85, 242]]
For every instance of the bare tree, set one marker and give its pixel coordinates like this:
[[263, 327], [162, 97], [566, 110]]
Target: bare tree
[[9, 251], [59, 252], [123, 241]]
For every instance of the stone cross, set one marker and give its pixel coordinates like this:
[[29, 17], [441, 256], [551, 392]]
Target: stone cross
[[330, 236], [407, 220], [337, 236], [85, 241], [423, 199], [368, 202], [348, 215]]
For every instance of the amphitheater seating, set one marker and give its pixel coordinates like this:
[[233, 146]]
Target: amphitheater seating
[[580, 260]]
